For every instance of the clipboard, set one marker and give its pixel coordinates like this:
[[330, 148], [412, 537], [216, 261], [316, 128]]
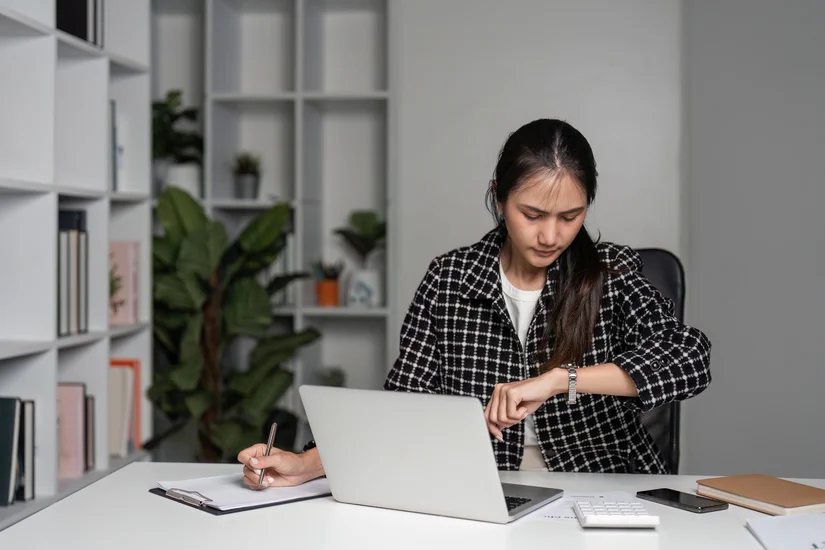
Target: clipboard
[[222, 495], [201, 503]]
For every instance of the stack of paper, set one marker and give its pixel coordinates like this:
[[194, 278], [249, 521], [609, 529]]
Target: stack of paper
[[228, 492], [793, 532]]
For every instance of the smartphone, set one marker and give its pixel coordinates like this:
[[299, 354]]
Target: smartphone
[[683, 501]]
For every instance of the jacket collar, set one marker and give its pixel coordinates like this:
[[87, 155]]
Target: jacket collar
[[481, 279]]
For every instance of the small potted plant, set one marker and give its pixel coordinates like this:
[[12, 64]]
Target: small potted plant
[[326, 282], [365, 232], [247, 172]]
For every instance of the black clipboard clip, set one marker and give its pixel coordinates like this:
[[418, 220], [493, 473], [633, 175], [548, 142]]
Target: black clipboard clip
[[186, 496]]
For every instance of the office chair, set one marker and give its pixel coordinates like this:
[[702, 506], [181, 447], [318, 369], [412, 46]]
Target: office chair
[[665, 271]]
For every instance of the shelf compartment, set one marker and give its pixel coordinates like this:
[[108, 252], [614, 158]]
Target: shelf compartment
[[97, 230], [81, 122], [138, 346], [358, 347], [126, 38], [28, 292], [89, 365], [265, 129], [27, 108], [344, 160], [131, 222], [345, 45], [130, 93], [35, 377], [253, 46], [178, 49]]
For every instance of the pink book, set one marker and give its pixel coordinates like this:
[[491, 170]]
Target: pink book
[[123, 272], [71, 429]]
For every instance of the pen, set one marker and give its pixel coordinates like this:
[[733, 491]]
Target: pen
[[269, 443]]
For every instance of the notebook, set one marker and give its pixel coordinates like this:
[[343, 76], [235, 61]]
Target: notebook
[[764, 493], [789, 532], [227, 493]]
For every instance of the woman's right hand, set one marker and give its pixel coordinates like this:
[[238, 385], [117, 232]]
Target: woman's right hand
[[283, 469]]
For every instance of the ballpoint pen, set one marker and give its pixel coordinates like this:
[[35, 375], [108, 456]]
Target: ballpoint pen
[[269, 443]]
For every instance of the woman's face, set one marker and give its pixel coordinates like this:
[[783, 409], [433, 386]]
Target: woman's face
[[543, 217]]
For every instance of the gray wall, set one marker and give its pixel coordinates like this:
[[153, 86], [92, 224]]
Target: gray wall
[[755, 104]]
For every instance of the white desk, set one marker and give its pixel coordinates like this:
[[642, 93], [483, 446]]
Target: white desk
[[118, 512]]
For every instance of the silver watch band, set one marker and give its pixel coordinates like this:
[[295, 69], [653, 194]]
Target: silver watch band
[[571, 384]]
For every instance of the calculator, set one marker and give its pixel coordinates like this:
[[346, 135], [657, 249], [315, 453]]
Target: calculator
[[598, 513]]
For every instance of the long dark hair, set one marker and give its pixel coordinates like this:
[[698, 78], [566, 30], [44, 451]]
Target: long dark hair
[[554, 147]]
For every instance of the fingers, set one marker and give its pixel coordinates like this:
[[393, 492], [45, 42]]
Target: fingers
[[251, 452], [251, 476]]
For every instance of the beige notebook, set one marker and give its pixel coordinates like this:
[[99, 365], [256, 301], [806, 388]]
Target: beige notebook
[[764, 493]]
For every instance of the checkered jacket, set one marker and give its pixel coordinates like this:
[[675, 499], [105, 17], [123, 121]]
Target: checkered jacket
[[457, 338]]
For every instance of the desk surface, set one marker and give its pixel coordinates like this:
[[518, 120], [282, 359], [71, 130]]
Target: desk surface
[[119, 512]]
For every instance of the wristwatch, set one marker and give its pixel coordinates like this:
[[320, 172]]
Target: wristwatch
[[571, 383]]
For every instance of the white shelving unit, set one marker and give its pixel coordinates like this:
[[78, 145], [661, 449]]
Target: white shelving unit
[[305, 85], [54, 154]]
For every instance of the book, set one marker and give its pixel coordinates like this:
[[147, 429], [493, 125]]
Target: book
[[123, 272], [763, 493]]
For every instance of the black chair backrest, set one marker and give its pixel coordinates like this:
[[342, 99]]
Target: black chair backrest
[[665, 271]]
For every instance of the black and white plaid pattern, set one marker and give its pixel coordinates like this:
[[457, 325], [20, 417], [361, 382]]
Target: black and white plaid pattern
[[457, 338]]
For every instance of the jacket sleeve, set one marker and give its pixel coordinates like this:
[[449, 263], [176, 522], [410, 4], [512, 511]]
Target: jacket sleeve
[[417, 367], [668, 360]]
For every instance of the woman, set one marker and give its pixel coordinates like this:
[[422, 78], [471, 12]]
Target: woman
[[562, 339]]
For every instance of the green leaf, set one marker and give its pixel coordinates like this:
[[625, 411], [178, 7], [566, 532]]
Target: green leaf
[[280, 282], [179, 293], [179, 213], [186, 375], [201, 250], [198, 403], [226, 435], [190, 342], [244, 382], [194, 288], [265, 229], [361, 243], [367, 222], [271, 348], [162, 335], [164, 251], [247, 309], [260, 402]]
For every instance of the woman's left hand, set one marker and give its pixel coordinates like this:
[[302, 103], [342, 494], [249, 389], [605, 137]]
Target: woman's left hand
[[512, 402]]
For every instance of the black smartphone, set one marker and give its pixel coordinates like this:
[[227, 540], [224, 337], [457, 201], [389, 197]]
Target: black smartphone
[[683, 501]]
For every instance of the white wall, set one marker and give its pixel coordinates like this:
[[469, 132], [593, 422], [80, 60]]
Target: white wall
[[756, 120], [468, 72]]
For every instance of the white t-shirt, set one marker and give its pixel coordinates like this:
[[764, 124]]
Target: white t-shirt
[[521, 304]]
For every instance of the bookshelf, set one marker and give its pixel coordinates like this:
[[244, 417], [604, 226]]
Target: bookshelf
[[305, 84], [55, 146]]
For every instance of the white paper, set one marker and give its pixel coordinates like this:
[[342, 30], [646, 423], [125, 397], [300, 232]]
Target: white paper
[[562, 508], [228, 492], [802, 532]]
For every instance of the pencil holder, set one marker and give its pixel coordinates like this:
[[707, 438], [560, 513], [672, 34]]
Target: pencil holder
[[327, 292]]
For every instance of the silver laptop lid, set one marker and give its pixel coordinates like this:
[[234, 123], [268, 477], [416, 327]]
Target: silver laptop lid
[[406, 451]]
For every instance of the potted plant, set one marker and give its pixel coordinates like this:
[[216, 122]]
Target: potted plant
[[326, 282], [365, 232], [207, 293], [247, 172], [177, 147]]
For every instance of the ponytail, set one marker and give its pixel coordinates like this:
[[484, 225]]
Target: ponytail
[[578, 299]]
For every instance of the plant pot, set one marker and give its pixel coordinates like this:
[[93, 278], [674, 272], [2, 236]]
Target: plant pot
[[326, 291], [246, 186], [364, 289], [186, 176]]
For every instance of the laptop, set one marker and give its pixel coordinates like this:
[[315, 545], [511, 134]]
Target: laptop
[[414, 452]]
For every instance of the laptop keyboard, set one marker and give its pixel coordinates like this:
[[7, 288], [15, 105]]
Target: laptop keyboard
[[515, 502]]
